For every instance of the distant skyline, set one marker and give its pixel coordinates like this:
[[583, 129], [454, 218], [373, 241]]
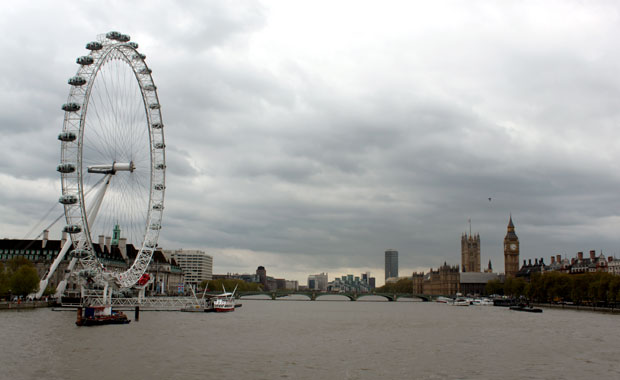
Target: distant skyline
[[311, 136]]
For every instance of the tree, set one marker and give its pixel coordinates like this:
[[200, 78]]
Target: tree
[[494, 286], [25, 280], [514, 286], [613, 295], [4, 281], [230, 284], [536, 290], [13, 265], [579, 288], [404, 285], [18, 277]]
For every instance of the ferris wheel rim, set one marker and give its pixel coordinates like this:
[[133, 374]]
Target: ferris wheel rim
[[110, 46]]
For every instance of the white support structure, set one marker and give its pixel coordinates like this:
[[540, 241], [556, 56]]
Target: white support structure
[[43, 283], [62, 285], [92, 214]]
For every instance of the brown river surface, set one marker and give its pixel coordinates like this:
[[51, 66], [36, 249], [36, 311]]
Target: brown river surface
[[316, 340]]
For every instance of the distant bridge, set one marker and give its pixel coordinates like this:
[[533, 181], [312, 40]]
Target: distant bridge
[[178, 303], [313, 295]]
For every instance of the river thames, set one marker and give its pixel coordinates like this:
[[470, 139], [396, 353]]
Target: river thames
[[316, 340]]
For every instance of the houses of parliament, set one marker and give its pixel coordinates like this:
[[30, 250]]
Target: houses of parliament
[[470, 252], [448, 280]]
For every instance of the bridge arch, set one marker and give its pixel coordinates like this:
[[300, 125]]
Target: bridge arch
[[386, 296], [351, 297]]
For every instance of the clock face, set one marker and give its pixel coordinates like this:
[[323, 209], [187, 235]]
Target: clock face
[[513, 247]]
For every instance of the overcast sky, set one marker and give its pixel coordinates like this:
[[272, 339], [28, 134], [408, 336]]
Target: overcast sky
[[311, 136]]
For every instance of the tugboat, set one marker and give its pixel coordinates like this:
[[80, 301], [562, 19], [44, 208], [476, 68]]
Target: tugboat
[[100, 315]]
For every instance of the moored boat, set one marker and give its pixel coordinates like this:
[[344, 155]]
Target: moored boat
[[220, 303], [482, 302], [504, 302], [224, 304], [461, 302], [100, 315], [528, 309]]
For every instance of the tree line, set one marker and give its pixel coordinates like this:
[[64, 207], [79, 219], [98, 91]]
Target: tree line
[[18, 277], [229, 284], [586, 288], [404, 285]]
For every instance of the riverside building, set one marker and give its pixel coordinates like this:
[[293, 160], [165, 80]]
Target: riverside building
[[112, 251], [197, 266], [317, 282]]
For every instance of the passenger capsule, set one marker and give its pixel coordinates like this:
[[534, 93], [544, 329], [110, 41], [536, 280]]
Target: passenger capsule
[[157, 125], [67, 136], [113, 35], [138, 56], [145, 71], [73, 228], [154, 106], [68, 199], [124, 38], [85, 60], [133, 45], [155, 226], [159, 145], [70, 107], [160, 166], [150, 87], [77, 81], [94, 45], [159, 187], [66, 168], [158, 206]]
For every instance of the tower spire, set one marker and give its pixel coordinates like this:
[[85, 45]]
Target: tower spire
[[116, 234]]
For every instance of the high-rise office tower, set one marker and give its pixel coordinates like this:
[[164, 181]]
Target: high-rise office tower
[[391, 263]]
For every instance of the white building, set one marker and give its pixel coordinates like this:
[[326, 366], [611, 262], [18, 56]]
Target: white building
[[317, 282], [613, 266], [197, 266], [292, 285]]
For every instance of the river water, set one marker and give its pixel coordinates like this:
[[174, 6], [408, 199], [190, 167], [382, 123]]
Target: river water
[[316, 340]]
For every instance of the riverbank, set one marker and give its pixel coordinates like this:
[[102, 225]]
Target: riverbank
[[578, 307], [4, 305]]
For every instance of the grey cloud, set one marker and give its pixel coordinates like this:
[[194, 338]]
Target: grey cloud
[[326, 161]]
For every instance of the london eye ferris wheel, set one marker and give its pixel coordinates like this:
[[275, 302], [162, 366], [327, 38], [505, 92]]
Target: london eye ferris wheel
[[112, 156]]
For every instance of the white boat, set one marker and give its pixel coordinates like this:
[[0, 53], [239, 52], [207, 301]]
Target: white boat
[[482, 302], [442, 299], [222, 302], [461, 302]]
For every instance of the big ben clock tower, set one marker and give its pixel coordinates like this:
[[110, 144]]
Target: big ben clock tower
[[511, 251]]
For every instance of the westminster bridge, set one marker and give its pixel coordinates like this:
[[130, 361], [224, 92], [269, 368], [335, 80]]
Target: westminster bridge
[[313, 295], [184, 302]]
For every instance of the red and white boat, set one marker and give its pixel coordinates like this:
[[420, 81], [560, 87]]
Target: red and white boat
[[224, 304], [220, 303]]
